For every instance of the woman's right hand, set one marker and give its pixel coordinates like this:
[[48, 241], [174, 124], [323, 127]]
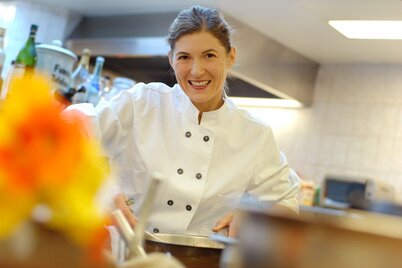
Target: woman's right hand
[[227, 225], [120, 203]]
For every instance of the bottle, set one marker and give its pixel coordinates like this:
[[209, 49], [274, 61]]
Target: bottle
[[24, 63], [27, 57], [2, 55], [95, 89], [79, 79]]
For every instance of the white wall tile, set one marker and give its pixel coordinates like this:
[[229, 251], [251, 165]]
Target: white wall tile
[[354, 153], [359, 119], [369, 153], [326, 150], [396, 156], [341, 146], [390, 118], [353, 128], [384, 154]]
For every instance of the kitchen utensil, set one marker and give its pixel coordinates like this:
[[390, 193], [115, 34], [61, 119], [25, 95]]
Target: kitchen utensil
[[127, 234], [193, 251], [135, 239], [146, 207]]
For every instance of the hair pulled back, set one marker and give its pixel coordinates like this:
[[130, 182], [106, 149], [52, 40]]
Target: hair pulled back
[[197, 19]]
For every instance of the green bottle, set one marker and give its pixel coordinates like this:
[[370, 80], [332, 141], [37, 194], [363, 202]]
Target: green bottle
[[27, 57]]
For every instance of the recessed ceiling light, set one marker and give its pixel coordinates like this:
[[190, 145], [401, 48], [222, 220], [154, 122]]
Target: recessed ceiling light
[[369, 29]]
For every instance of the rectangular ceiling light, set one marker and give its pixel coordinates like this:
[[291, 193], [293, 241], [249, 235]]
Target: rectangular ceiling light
[[245, 102], [369, 29]]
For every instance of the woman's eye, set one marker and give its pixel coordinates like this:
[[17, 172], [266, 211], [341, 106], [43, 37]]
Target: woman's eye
[[210, 55], [183, 57]]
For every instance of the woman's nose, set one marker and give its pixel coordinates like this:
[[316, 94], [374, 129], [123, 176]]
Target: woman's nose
[[197, 68]]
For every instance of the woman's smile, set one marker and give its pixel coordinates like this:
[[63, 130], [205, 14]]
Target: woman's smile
[[199, 84]]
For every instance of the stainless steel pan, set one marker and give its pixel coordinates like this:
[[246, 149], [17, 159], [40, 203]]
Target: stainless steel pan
[[192, 251]]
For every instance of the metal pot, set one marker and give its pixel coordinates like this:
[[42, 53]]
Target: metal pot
[[192, 251]]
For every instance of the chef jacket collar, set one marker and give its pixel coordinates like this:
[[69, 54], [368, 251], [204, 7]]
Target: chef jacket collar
[[209, 119]]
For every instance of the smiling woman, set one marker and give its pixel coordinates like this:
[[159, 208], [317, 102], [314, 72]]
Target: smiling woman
[[211, 153]]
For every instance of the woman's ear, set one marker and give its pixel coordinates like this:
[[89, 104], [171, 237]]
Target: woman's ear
[[232, 56], [170, 56]]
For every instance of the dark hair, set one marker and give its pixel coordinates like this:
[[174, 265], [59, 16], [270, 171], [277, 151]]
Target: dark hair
[[198, 19]]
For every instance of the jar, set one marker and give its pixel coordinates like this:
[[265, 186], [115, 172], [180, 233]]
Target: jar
[[57, 63]]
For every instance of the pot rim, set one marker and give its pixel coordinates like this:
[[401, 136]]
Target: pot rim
[[185, 240]]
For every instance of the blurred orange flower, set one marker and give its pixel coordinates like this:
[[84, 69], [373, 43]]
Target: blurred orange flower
[[44, 161], [42, 147]]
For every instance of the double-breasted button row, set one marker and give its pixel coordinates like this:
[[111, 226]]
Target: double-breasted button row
[[170, 203], [181, 171], [188, 135]]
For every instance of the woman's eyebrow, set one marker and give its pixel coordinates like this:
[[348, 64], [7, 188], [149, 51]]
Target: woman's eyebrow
[[205, 51], [210, 50], [182, 53]]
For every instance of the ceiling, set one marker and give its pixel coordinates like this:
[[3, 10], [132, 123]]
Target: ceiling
[[298, 24]]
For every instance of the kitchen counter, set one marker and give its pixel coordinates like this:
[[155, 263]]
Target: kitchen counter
[[321, 238]]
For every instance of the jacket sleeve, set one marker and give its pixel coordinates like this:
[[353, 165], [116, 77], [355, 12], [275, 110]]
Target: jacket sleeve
[[273, 180], [110, 122]]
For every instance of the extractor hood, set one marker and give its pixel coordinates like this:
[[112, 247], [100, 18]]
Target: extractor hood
[[135, 46]]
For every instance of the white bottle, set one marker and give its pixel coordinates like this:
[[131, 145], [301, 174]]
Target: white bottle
[[94, 92], [80, 78]]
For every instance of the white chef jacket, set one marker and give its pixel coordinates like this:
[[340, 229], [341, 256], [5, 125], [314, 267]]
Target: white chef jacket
[[208, 167]]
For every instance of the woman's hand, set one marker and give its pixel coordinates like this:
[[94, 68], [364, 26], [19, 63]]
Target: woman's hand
[[120, 203], [228, 221]]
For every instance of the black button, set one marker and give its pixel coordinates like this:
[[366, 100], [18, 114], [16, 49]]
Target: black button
[[206, 138], [188, 207], [170, 202], [155, 230], [188, 134], [180, 171], [198, 176]]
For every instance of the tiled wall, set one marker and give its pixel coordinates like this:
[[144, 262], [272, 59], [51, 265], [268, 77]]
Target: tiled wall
[[54, 23], [353, 128]]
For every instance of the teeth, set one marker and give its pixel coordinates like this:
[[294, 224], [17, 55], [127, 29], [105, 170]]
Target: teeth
[[199, 84]]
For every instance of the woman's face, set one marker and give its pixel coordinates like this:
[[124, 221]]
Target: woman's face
[[201, 63]]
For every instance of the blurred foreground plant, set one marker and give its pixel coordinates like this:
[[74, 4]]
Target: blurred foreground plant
[[45, 163]]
